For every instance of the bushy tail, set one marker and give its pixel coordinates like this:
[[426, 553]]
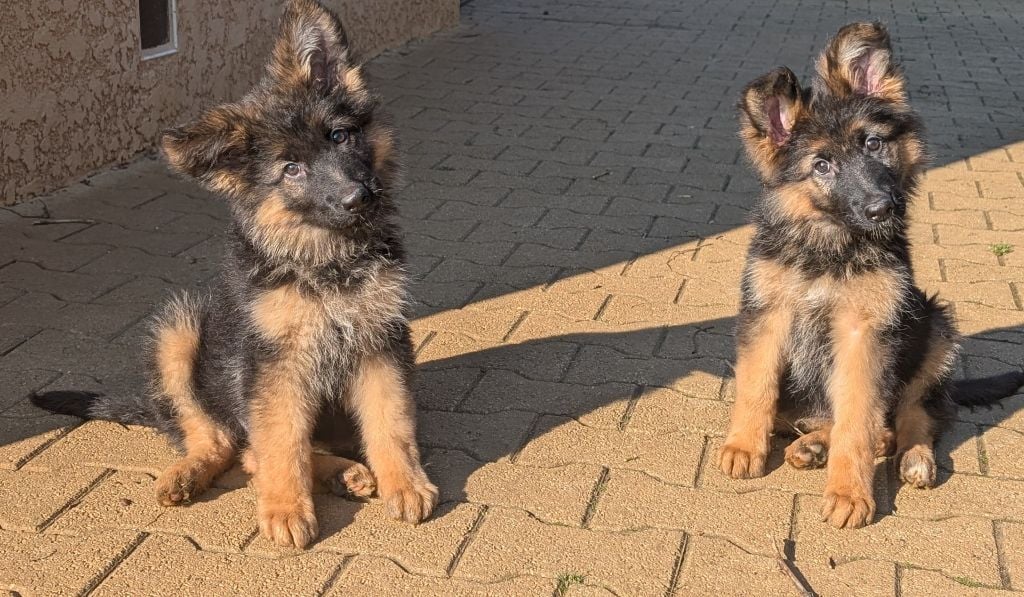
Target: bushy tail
[[131, 410], [985, 391], [172, 355]]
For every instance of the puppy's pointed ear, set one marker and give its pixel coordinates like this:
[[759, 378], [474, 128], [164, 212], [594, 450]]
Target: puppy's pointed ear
[[312, 50], [769, 109], [211, 149], [858, 62]]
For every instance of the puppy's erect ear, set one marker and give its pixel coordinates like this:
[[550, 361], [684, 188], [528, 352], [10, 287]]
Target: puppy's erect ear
[[858, 61], [769, 109], [312, 50], [212, 148]]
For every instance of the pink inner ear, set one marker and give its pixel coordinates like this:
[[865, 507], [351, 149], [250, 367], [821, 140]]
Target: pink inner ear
[[868, 71], [779, 119]]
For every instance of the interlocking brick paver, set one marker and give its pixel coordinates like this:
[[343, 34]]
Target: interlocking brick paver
[[964, 495], [1002, 453], [915, 582], [633, 500], [483, 436], [576, 206], [21, 438], [377, 576], [715, 566], [40, 496], [461, 478], [1013, 552], [60, 565], [671, 457], [510, 542], [102, 444], [958, 545], [219, 521], [165, 563], [595, 406], [351, 528]]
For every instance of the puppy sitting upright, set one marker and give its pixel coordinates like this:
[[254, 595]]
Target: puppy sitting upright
[[831, 323], [307, 324]]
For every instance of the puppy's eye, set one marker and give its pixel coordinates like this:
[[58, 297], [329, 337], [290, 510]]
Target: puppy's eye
[[340, 136], [292, 169], [822, 167], [873, 143]]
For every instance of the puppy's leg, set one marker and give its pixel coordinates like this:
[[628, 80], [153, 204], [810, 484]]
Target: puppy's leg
[[853, 389], [386, 415], [759, 364], [209, 448], [342, 476], [915, 435], [282, 455], [916, 428]]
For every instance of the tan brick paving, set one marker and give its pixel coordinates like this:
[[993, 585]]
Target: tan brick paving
[[576, 208], [718, 567], [375, 576]]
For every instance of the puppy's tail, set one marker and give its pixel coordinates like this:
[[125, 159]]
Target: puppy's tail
[[987, 390], [131, 410], [174, 351]]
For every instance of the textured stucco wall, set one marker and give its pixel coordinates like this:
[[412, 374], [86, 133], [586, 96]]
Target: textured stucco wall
[[76, 96]]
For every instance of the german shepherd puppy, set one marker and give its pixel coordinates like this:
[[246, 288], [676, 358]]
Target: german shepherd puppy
[[831, 323], [307, 325]]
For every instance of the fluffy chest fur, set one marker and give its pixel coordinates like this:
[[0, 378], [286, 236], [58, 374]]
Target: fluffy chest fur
[[825, 310]]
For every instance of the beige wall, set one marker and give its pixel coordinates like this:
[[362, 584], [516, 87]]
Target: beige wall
[[75, 95]]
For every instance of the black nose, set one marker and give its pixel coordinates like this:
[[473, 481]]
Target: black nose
[[357, 199], [880, 209]]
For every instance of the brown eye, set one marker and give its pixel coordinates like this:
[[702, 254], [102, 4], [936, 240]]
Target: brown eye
[[873, 143], [822, 167], [340, 136], [292, 169]]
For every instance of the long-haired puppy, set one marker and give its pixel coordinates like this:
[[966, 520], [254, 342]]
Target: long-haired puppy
[[832, 331], [306, 329]]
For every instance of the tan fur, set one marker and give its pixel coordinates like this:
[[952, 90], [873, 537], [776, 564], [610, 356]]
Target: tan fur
[[915, 427], [333, 473], [281, 233], [385, 411], [383, 144], [759, 368], [859, 60], [208, 447], [342, 476], [810, 450], [866, 304], [296, 45], [796, 201], [283, 417], [352, 79]]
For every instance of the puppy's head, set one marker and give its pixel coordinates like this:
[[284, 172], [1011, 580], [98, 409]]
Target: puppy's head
[[848, 151], [307, 147]]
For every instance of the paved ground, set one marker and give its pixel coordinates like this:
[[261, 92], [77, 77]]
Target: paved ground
[[575, 210]]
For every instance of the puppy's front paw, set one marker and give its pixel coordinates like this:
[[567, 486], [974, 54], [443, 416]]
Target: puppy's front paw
[[411, 501], [289, 525], [917, 467], [741, 461], [355, 481], [847, 509]]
